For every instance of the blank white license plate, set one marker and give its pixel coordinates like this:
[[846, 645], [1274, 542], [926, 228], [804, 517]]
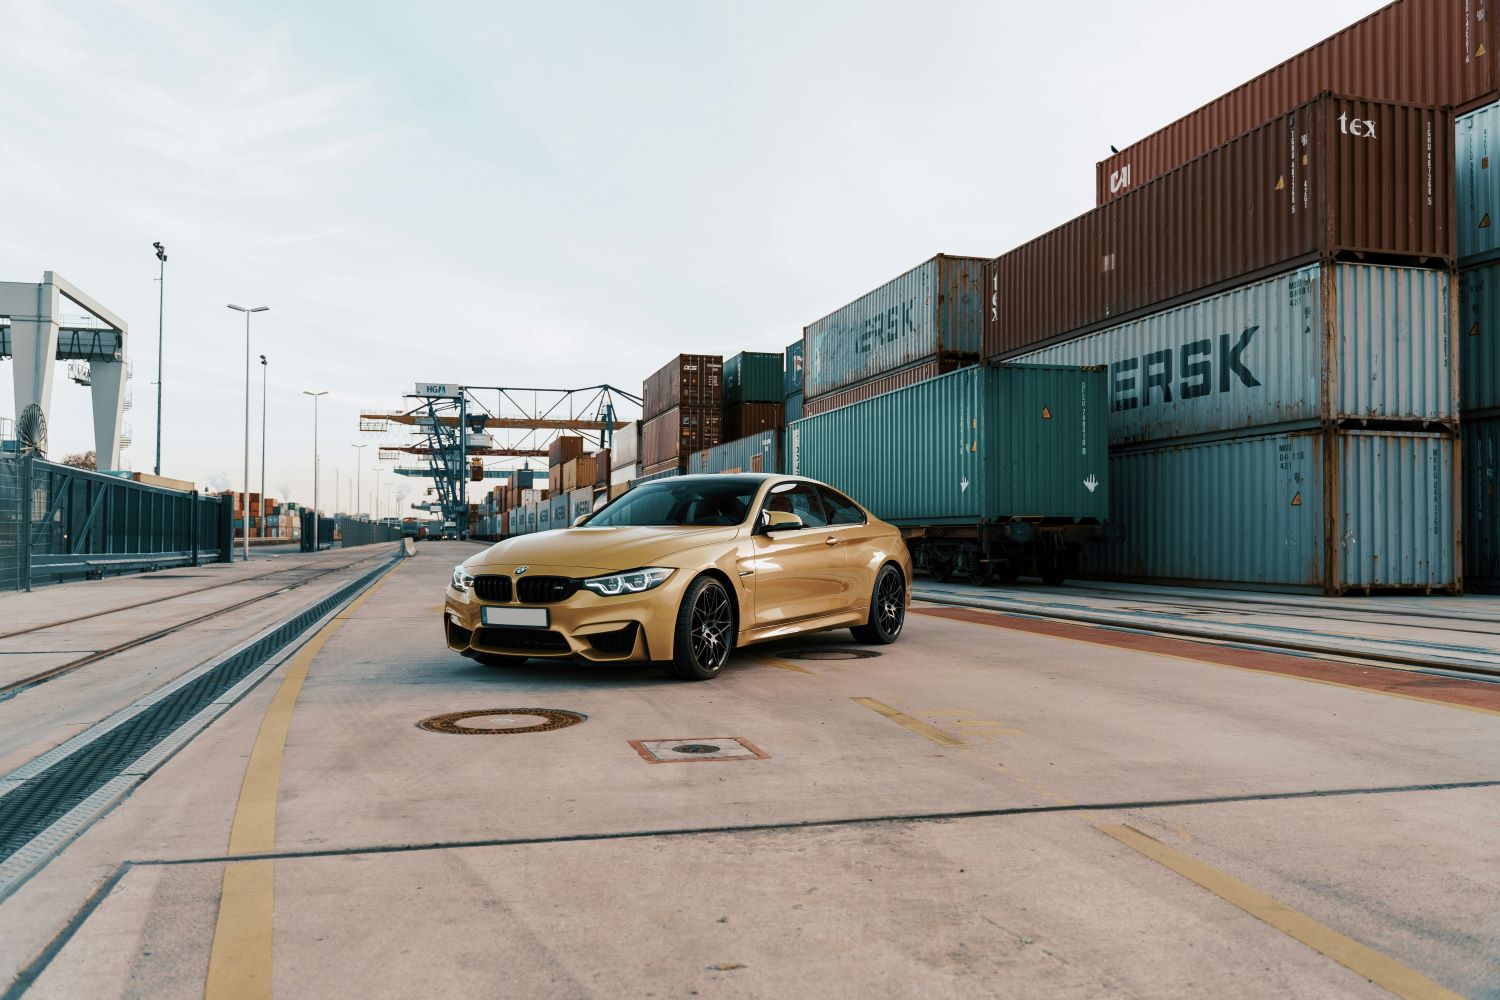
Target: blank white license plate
[[524, 617]]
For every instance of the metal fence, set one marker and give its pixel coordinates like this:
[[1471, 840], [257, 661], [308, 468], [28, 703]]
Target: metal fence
[[358, 532], [59, 523]]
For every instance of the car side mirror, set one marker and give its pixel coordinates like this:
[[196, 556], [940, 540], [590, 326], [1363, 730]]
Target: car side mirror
[[577, 521], [780, 520]]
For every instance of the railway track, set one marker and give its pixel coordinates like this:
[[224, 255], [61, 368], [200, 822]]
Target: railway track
[[1169, 614], [10, 690]]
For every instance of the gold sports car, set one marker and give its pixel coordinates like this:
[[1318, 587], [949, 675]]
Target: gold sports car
[[681, 571]]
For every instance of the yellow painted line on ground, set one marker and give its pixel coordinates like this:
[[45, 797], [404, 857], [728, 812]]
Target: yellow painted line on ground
[[239, 962], [1379, 969], [916, 725], [772, 661]]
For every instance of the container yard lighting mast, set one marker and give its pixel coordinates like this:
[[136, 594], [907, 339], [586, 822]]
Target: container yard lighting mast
[[452, 425]]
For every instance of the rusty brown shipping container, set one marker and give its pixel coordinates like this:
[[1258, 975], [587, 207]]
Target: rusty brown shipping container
[[1309, 186], [880, 386], [687, 380], [682, 430], [564, 448], [1418, 51], [742, 419]]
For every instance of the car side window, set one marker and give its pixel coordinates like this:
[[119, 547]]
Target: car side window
[[800, 499], [841, 509]]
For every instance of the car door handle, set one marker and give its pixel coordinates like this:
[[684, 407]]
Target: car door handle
[[830, 541]]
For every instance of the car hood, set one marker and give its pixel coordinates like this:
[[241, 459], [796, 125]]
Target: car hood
[[601, 548]]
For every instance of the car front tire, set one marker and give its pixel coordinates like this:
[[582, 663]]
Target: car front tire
[[705, 632], [887, 610]]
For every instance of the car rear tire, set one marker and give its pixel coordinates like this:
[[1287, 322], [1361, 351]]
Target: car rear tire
[[887, 610], [498, 659], [705, 632]]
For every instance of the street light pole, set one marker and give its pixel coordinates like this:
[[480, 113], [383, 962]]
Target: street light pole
[[263, 369], [377, 492], [161, 304], [247, 312], [317, 538], [359, 478]]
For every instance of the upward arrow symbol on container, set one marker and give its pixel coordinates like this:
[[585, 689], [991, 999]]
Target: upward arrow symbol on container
[[1092, 482]]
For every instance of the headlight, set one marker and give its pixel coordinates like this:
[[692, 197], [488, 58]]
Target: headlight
[[635, 582], [463, 580]]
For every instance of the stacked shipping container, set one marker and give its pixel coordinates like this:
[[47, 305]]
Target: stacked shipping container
[[1425, 51], [1478, 195], [1304, 420], [915, 327], [683, 413]]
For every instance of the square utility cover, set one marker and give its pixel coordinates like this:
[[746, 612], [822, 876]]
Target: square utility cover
[[698, 748]]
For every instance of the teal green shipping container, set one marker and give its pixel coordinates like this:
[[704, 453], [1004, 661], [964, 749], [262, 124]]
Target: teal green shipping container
[[753, 377], [989, 469], [793, 408], [792, 376], [1481, 474]]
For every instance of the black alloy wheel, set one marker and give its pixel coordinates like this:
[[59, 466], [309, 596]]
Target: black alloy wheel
[[705, 632], [887, 610]]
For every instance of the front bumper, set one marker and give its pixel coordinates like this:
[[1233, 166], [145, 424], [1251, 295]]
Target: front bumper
[[629, 628]]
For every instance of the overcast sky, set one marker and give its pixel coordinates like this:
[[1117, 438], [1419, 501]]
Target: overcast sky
[[544, 194]]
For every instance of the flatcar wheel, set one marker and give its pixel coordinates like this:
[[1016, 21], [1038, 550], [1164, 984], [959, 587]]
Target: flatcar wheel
[[941, 570], [980, 572]]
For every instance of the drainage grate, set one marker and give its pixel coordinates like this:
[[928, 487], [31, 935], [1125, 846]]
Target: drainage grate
[[552, 718], [712, 748], [39, 801], [830, 653]]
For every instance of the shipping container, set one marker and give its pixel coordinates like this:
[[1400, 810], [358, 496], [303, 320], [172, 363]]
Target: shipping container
[[1422, 51], [602, 461], [563, 448], [544, 515], [756, 453], [534, 520], [1478, 335], [687, 380], [1478, 190], [743, 419], [1325, 511], [580, 503], [1299, 189], [1481, 538], [624, 473], [577, 472], [557, 509], [988, 469], [679, 432], [920, 372], [625, 446], [753, 377], [792, 373], [648, 475], [794, 407], [934, 310], [1321, 344]]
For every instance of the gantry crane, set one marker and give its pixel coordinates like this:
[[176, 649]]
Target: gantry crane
[[454, 424]]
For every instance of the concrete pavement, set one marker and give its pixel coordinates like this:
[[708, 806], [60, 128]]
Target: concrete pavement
[[950, 818]]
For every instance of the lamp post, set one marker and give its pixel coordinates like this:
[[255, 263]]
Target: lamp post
[[161, 304], [377, 492], [358, 475], [317, 538], [263, 369], [247, 312]]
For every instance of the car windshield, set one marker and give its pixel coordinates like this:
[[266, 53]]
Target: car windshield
[[688, 503]]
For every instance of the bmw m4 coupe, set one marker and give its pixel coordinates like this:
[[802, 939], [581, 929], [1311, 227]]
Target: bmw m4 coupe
[[681, 571]]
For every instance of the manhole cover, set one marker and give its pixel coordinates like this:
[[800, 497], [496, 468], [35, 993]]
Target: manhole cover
[[513, 720], [712, 748], [831, 653]]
